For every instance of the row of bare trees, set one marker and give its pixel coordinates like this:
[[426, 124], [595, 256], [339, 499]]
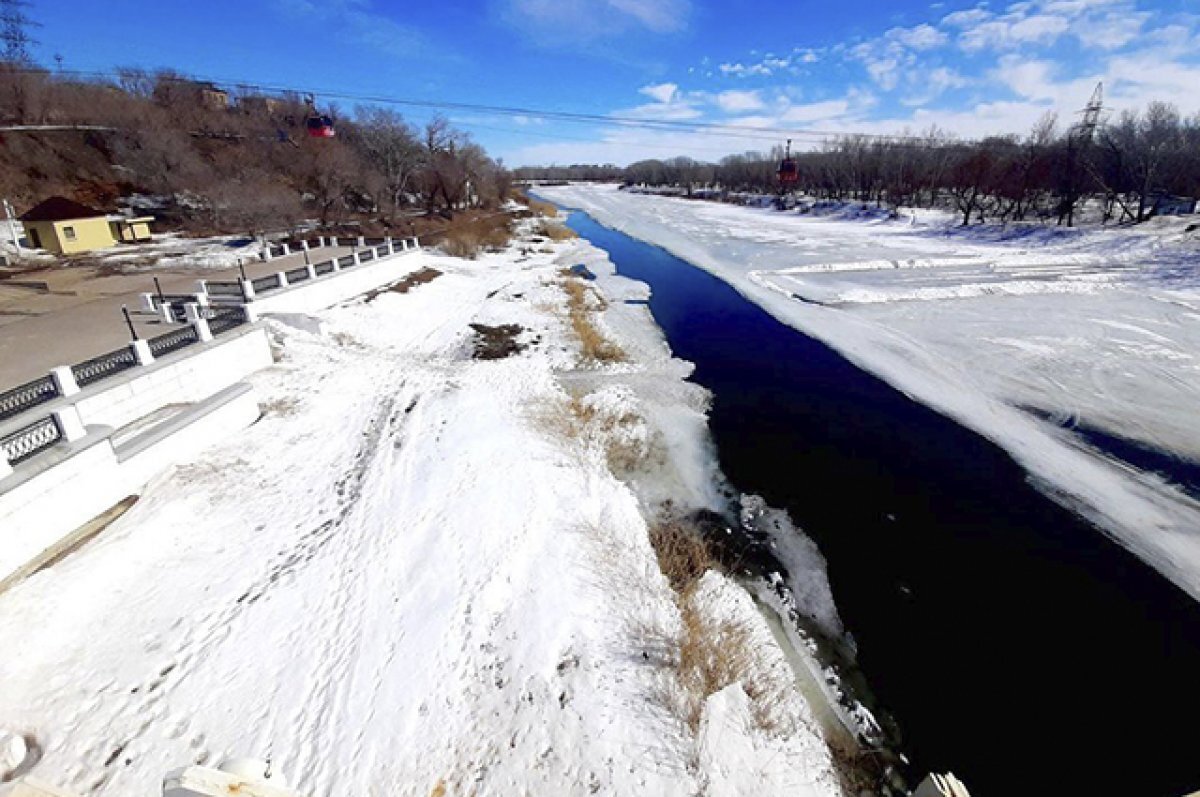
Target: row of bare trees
[[1124, 169], [230, 159]]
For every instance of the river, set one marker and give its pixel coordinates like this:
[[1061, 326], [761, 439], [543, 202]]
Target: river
[[1013, 642]]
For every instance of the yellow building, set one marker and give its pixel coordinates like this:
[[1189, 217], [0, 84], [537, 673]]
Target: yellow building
[[64, 227]]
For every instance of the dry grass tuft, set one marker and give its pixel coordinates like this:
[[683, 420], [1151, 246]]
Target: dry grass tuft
[[707, 654], [684, 556], [282, 406], [555, 231], [491, 233], [626, 447], [594, 345], [539, 207]]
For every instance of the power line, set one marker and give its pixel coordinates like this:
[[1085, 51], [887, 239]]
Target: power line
[[716, 129]]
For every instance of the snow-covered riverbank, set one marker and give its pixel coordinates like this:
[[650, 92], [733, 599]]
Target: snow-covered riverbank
[[419, 568], [1099, 327]]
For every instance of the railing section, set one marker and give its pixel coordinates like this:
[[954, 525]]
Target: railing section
[[104, 366], [296, 275], [267, 283], [173, 341], [39, 391], [29, 440], [224, 319], [233, 289]]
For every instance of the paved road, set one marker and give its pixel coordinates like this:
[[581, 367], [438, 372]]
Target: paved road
[[80, 316]]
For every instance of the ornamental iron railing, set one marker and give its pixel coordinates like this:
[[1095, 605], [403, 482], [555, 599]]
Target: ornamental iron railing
[[21, 398], [267, 283], [173, 341], [30, 440], [224, 289], [223, 319], [104, 366]]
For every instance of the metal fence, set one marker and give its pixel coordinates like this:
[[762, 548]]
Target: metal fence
[[173, 341], [31, 439], [267, 283], [346, 262], [224, 319], [104, 366], [366, 255], [39, 391], [224, 289], [381, 250], [323, 268], [296, 275]]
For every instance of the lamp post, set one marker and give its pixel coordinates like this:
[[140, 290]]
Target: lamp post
[[129, 321]]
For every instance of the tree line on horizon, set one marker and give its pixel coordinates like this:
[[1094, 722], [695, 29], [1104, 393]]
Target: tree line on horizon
[[229, 160], [1128, 166]]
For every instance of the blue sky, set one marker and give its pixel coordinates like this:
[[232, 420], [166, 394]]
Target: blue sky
[[867, 66]]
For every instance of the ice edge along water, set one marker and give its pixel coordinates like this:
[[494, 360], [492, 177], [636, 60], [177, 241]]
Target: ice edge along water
[[404, 576], [980, 360]]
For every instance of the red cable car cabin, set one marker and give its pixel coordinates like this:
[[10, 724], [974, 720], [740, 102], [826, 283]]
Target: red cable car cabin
[[789, 172], [320, 126]]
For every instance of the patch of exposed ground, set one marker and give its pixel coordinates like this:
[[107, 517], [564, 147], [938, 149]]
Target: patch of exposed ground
[[496, 343]]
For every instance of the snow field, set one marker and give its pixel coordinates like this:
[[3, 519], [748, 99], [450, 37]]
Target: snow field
[[1097, 326], [403, 579]]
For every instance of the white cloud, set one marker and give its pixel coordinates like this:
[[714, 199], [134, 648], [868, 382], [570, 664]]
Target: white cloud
[[663, 92], [662, 16], [744, 70], [922, 37], [739, 101], [561, 22], [966, 19]]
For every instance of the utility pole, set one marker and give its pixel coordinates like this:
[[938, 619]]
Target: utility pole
[[12, 226], [1079, 141], [14, 25]]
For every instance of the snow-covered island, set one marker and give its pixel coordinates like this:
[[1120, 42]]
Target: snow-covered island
[[455, 556]]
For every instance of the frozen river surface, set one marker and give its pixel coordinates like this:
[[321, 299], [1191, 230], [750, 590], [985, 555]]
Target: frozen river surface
[[1020, 335]]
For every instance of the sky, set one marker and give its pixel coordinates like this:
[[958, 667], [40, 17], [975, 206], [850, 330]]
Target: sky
[[871, 66]]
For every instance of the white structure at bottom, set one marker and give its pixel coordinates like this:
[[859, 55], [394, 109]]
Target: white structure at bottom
[[246, 777], [936, 785]]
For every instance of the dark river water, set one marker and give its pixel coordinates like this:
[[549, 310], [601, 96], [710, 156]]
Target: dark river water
[[1014, 644]]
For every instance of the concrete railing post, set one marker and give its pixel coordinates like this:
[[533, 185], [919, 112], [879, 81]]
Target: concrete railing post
[[141, 352], [198, 322], [64, 380], [265, 254], [304, 246], [356, 257], [390, 245], [333, 240], [147, 302], [201, 299], [287, 250], [164, 312], [362, 241], [249, 313], [283, 280], [69, 423], [202, 289], [247, 290], [5, 468]]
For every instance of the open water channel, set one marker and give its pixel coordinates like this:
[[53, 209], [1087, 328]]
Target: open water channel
[[1013, 642]]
